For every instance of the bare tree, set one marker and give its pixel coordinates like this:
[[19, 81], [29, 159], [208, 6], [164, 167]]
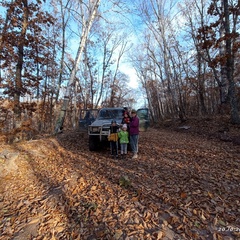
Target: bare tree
[[88, 14], [64, 20], [194, 12], [160, 52]]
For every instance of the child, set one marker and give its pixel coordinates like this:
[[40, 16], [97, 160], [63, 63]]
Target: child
[[123, 136], [113, 138], [126, 119]]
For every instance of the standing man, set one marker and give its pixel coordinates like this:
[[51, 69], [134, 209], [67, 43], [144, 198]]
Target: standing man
[[134, 133]]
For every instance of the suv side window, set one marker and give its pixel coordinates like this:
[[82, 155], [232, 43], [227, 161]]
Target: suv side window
[[87, 116]]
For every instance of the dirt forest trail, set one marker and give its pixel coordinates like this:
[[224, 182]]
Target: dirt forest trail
[[181, 187]]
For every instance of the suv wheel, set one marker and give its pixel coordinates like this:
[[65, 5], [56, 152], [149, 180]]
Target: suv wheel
[[93, 143]]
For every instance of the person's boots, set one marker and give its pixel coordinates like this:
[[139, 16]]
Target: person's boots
[[135, 156]]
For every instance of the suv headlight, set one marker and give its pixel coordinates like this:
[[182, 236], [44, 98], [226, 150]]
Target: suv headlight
[[94, 129]]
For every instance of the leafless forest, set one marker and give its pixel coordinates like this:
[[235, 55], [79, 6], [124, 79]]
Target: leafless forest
[[58, 57]]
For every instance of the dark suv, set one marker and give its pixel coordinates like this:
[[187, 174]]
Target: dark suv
[[98, 128]]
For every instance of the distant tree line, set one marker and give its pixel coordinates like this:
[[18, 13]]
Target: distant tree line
[[59, 56], [188, 61]]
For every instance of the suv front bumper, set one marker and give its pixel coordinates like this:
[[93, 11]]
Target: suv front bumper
[[101, 131]]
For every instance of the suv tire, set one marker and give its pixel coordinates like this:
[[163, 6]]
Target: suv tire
[[93, 143]]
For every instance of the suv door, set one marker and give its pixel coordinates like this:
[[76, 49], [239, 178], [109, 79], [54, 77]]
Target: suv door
[[143, 115], [87, 116]]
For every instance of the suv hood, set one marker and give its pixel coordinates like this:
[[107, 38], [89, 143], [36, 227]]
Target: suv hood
[[101, 122]]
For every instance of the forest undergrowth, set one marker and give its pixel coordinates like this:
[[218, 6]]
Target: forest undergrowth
[[184, 185]]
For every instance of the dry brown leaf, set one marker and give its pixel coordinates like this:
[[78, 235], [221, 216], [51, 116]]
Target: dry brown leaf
[[183, 195], [147, 216], [182, 182], [93, 188], [202, 216], [59, 229], [118, 234]]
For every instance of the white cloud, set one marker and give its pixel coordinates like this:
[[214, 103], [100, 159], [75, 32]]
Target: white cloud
[[131, 73]]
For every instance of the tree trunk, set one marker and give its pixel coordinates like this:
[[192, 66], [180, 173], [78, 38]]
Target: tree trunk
[[230, 68], [223, 80], [87, 24], [63, 43], [18, 79]]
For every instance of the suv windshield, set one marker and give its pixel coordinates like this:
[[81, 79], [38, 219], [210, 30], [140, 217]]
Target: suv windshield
[[110, 113]]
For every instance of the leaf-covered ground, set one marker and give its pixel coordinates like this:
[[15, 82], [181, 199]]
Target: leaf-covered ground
[[182, 186]]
